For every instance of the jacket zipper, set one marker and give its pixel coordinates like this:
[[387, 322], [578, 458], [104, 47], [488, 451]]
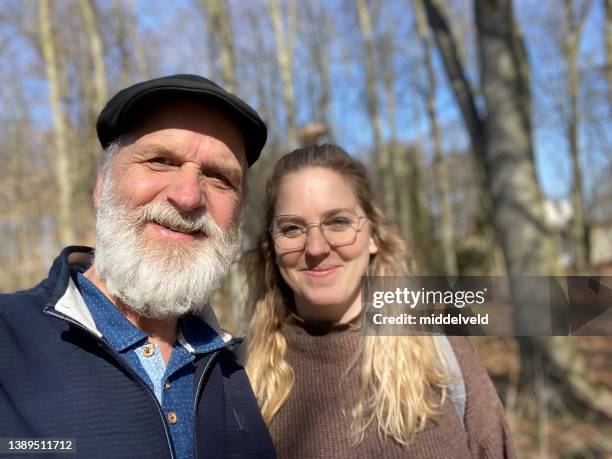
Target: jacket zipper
[[119, 359], [196, 398]]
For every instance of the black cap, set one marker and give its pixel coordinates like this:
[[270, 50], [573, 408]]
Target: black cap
[[117, 114]]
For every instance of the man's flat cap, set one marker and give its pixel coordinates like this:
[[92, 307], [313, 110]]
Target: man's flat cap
[[122, 109]]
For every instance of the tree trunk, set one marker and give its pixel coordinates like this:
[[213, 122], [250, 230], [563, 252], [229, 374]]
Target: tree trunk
[[511, 177], [133, 63], [321, 58], [142, 65], [503, 144], [95, 81], [503, 141], [608, 39], [284, 55], [440, 172], [461, 11], [21, 244], [452, 60], [383, 159], [570, 48], [219, 25], [402, 165], [397, 172], [122, 40], [63, 176], [449, 51], [96, 52]]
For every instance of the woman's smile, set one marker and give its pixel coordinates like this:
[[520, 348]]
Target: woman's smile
[[320, 271]]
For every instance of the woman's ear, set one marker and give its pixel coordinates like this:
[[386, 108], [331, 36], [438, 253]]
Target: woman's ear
[[372, 247]]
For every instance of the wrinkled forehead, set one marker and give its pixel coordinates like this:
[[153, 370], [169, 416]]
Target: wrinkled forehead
[[188, 116]]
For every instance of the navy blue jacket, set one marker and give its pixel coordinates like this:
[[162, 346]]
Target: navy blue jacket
[[58, 378]]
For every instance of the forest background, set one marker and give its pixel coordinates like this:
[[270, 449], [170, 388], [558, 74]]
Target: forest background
[[486, 125]]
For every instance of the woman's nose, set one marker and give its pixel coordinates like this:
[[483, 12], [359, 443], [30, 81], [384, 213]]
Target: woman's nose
[[316, 244]]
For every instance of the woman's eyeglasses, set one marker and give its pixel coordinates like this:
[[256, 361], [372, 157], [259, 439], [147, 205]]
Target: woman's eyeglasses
[[338, 226]]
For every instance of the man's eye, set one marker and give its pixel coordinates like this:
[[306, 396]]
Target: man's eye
[[220, 180], [161, 160]]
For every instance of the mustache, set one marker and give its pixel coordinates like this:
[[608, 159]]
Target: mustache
[[163, 213]]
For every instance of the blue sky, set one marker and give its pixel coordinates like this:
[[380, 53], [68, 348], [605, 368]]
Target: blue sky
[[168, 34]]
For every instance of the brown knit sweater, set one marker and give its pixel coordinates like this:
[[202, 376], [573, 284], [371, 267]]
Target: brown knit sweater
[[312, 424]]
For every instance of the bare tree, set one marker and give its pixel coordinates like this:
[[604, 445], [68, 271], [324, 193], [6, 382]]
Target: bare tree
[[404, 163], [133, 61], [20, 225], [142, 65], [96, 52], [94, 80], [284, 54], [63, 175], [414, 191], [122, 37], [574, 21], [453, 58], [317, 23], [220, 33], [508, 142], [502, 140], [508, 161], [440, 170], [608, 40], [383, 158], [220, 30], [505, 142], [517, 201]]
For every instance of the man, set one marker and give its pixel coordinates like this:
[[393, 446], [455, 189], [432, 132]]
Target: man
[[122, 354]]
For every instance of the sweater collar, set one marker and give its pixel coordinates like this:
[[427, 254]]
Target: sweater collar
[[320, 328]]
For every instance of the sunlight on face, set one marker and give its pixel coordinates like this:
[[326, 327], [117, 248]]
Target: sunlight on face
[[169, 211], [325, 279]]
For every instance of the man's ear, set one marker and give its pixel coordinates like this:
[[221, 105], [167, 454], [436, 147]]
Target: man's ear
[[97, 191]]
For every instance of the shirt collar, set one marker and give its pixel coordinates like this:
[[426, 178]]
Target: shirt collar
[[195, 334], [118, 331]]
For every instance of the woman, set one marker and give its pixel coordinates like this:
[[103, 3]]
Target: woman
[[323, 388]]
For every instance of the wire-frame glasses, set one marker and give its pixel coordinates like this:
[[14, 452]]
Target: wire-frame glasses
[[338, 226]]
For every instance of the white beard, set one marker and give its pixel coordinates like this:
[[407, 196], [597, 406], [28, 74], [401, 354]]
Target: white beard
[[160, 279]]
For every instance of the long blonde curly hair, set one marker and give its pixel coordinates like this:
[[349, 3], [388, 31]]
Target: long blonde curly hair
[[402, 381]]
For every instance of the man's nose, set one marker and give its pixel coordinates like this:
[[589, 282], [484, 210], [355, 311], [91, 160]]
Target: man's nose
[[316, 244], [186, 192]]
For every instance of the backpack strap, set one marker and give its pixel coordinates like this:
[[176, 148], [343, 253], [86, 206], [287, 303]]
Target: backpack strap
[[456, 389]]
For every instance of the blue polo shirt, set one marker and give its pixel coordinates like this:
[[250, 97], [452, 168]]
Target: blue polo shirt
[[173, 385]]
